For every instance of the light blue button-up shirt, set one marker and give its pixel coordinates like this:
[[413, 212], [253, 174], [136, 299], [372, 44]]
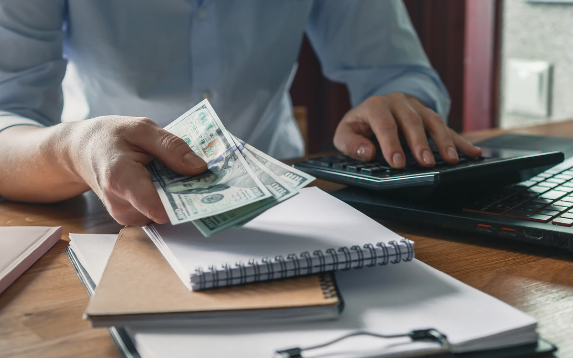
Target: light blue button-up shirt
[[159, 58]]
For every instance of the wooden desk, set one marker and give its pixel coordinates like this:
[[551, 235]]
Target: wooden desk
[[41, 313]]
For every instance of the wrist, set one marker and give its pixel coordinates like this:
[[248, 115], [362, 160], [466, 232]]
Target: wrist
[[59, 149]]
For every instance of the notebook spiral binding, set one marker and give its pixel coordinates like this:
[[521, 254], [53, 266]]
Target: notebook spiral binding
[[328, 286], [343, 259]]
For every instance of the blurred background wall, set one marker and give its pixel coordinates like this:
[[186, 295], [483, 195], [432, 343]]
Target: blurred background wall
[[537, 31]]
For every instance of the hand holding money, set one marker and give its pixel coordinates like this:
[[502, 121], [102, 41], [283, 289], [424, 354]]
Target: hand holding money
[[241, 182], [110, 153]]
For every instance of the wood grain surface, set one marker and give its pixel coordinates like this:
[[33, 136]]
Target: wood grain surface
[[41, 313]]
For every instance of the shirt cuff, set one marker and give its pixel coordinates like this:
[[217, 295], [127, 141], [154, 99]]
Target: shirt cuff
[[421, 86], [8, 120]]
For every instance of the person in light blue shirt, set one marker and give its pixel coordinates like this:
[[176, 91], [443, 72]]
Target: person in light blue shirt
[[142, 63]]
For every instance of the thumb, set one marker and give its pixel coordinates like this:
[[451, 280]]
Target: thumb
[[352, 144], [171, 150]]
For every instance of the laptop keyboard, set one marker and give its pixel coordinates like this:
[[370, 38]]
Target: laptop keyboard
[[545, 198], [380, 168]]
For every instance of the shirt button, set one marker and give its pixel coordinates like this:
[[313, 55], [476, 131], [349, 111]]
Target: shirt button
[[202, 13], [207, 96]]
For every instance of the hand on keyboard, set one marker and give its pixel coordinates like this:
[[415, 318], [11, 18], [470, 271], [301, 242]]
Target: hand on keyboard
[[384, 117]]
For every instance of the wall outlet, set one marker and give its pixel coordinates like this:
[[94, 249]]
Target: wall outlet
[[527, 88]]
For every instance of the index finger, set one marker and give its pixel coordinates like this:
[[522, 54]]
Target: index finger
[[136, 188], [385, 128]]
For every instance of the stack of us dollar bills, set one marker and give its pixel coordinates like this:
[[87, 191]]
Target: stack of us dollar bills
[[240, 182]]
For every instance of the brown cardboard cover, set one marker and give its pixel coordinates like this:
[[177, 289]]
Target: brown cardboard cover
[[138, 280]]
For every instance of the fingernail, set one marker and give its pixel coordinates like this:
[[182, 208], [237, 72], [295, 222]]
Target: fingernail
[[361, 152], [428, 158], [193, 160], [452, 153], [398, 160]]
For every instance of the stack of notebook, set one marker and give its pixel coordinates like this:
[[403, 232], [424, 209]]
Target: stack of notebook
[[282, 261], [139, 287], [278, 283], [382, 300]]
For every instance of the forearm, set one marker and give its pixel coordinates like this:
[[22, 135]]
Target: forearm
[[36, 164]]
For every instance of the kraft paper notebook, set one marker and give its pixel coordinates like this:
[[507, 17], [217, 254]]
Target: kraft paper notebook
[[140, 287]]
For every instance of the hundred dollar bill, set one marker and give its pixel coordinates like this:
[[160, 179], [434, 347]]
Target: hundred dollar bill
[[279, 188], [290, 175], [229, 182]]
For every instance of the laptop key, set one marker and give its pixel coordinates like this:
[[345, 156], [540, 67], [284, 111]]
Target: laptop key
[[562, 221], [567, 215], [539, 189], [549, 213], [528, 216], [530, 207], [547, 184], [555, 181], [553, 194], [557, 208], [528, 183], [563, 188], [567, 198], [563, 203], [541, 200]]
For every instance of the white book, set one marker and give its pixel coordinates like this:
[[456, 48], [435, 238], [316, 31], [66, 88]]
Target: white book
[[22, 246], [381, 300], [310, 233]]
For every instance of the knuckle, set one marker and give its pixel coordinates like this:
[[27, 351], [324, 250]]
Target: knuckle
[[386, 125], [436, 121], [376, 101], [119, 215], [128, 217], [140, 221], [109, 180], [412, 119], [419, 143], [133, 125], [154, 214], [144, 121], [170, 142], [395, 96]]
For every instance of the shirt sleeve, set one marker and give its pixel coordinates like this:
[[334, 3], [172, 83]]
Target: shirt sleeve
[[372, 47], [32, 66]]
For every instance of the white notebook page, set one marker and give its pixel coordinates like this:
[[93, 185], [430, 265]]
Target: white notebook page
[[312, 220]]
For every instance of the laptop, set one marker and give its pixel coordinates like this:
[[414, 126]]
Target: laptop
[[533, 205]]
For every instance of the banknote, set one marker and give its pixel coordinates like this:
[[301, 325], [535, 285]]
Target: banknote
[[279, 188], [228, 184], [295, 178]]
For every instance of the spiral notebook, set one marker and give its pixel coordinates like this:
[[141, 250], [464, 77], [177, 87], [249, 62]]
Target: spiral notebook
[[313, 232], [138, 287]]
